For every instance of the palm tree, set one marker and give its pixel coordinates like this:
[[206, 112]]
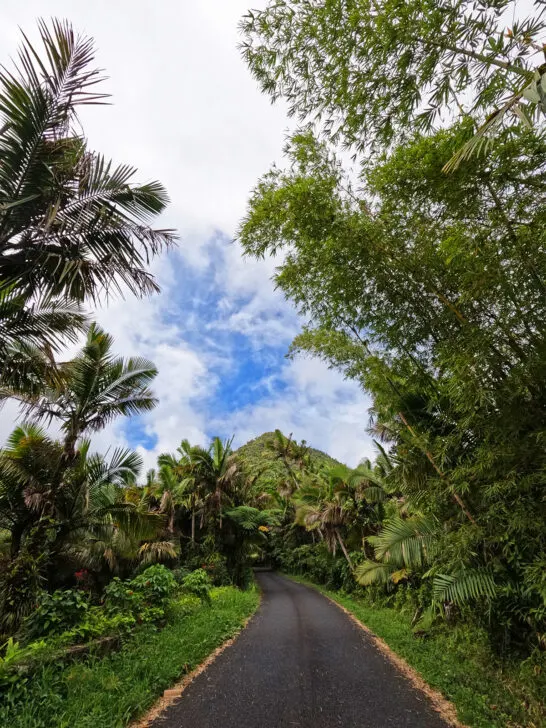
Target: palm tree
[[92, 389], [221, 473], [332, 500], [176, 490], [71, 224], [187, 468], [321, 505], [212, 470], [60, 513], [295, 458]]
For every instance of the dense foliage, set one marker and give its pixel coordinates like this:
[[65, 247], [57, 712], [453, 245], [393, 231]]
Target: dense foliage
[[422, 277], [424, 280]]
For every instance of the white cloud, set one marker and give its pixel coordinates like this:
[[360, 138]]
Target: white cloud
[[187, 111], [9, 415], [315, 405], [139, 329]]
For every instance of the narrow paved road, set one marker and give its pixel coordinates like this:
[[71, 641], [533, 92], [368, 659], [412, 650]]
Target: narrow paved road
[[301, 662]]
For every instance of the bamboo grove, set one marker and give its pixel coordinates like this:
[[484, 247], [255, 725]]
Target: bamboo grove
[[420, 269]]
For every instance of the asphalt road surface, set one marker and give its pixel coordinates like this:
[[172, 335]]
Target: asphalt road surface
[[300, 663]]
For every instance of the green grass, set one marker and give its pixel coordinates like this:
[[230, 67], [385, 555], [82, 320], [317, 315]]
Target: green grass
[[459, 664], [108, 692]]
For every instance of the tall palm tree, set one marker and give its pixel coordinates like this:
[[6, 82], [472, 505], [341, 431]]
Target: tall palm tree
[[186, 465], [92, 389], [176, 490], [218, 470], [72, 225]]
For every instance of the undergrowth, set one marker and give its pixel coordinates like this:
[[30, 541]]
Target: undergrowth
[[108, 692]]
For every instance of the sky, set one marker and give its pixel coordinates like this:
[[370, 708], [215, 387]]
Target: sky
[[185, 110]]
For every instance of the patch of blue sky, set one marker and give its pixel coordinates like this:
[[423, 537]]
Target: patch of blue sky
[[137, 433], [244, 366]]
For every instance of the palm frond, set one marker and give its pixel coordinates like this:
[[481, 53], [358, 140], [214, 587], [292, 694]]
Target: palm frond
[[72, 223], [410, 543], [156, 552], [464, 586], [374, 572]]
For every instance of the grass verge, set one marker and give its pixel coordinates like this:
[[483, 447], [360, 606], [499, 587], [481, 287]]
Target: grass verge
[[109, 692], [458, 664]]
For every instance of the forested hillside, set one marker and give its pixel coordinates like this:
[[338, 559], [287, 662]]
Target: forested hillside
[[268, 457]]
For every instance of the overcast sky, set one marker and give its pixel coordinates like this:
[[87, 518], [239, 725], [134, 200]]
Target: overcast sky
[[187, 112]]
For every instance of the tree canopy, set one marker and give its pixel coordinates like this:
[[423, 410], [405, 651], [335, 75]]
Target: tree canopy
[[375, 71]]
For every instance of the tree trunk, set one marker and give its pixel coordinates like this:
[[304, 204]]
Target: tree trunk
[[345, 552], [69, 447], [16, 538], [193, 526]]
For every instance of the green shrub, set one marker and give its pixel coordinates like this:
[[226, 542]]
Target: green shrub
[[98, 623], [143, 597], [121, 596], [55, 613], [156, 584], [198, 583]]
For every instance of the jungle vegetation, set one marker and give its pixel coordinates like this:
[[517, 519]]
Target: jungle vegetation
[[420, 272]]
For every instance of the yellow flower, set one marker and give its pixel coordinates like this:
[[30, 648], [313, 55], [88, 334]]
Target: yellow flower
[[263, 528]]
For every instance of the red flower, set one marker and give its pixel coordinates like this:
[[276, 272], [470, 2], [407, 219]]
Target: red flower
[[80, 574]]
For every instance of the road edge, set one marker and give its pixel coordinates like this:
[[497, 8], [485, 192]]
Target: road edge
[[440, 704], [172, 694]]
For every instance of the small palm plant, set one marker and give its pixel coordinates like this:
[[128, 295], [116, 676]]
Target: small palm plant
[[91, 390]]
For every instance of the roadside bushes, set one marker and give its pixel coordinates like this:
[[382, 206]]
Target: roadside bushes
[[56, 612], [110, 690], [198, 583], [144, 597], [65, 625]]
